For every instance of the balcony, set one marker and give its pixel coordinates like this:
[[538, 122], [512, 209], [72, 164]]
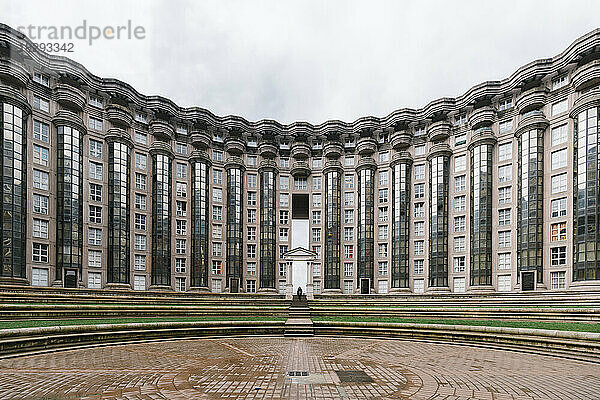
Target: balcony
[[366, 146], [14, 71], [267, 149], [11, 93], [69, 97], [439, 131], [401, 140], [161, 130], [235, 145], [300, 151], [587, 99], [533, 99], [440, 149], [366, 162], [484, 116], [534, 119], [68, 117], [333, 150], [300, 169], [586, 75], [119, 115], [200, 139]]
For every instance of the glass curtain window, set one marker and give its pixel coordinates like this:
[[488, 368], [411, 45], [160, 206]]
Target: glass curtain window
[[586, 213], [438, 220], [481, 215], [69, 222], [366, 222], [267, 228], [235, 234], [13, 193], [530, 202], [119, 164], [401, 174], [333, 198], [161, 219], [200, 220]]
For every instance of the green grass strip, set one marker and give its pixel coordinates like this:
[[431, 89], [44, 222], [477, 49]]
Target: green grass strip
[[66, 322], [560, 326]]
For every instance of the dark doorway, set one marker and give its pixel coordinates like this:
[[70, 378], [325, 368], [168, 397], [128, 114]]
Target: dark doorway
[[234, 285], [70, 278], [365, 286], [528, 281], [299, 206]]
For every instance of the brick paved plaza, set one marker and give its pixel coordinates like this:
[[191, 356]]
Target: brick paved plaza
[[274, 368]]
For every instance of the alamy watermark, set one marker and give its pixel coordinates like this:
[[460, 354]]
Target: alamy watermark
[[53, 39]]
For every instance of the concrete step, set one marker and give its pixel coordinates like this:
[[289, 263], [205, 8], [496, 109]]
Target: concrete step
[[299, 327]]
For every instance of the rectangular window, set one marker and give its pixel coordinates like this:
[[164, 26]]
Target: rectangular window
[[284, 162], [460, 163], [382, 269], [460, 183], [419, 286], [95, 214], [557, 280], [348, 287], [95, 192], [504, 261], [558, 231], [181, 171], [420, 150], [284, 200], [317, 251], [383, 250], [95, 170], [94, 258], [316, 217], [420, 191], [419, 172], [383, 178], [348, 251], [316, 182], [284, 234], [504, 217], [217, 177], [252, 181], [348, 234], [459, 224], [180, 246], [40, 228], [316, 234], [40, 179], [300, 183], [140, 161], [505, 104], [94, 280], [460, 139], [217, 267], [139, 242], [180, 284], [41, 79], [560, 107], [419, 266], [348, 216], [41, 104], [349, 161], [505, 126], [252, 199], [504, 239], [40, 204], [419, 210], [251, 268], [217, 213], [317, 163], [349, 198], [252, 161], [252, 216], [420, 228], [181, 227], [139, 282], [95, 123], [505, 173], [217, 195], [140, 201], [558, 207], [383, 214], [559, 135], [559, 159], [382, 232], [316, 200], [284, 217], [505, 151], [504, 195], [284, 182], [139, 263], [140, 181], [349, 182], [460, 119], [181, 208], [141, 138], [217, 231], [419, 247], [217, 249], [348, 269], [459, 244], [181, 148], [140, 117], [459, 264], [180, 266], [40, 155], [217, 155], [384, 156], [558, 256], [460, 203], [95, 101], [559, 82], [41, 131], [95, 148], [140, 222], [40, 252], [282, 251], [95, 236], [559, 183]]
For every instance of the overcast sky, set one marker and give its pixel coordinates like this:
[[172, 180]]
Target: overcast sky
[[313, 60]]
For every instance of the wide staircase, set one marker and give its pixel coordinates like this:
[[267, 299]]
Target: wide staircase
[[299, 322]]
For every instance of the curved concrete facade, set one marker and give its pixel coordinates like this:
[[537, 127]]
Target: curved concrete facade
[[554, 245]]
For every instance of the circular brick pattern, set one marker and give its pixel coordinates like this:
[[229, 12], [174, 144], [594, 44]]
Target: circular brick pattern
[[311, 368]]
